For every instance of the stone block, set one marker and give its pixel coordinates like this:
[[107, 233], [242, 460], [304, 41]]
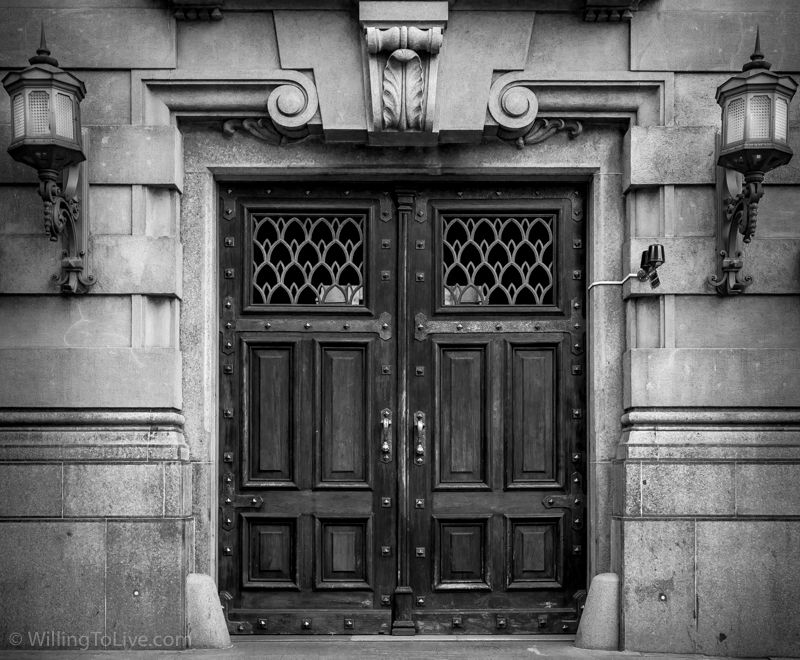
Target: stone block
[[137, 264], [686, 377], [747, 586], [28, 490], [695, 211], [177, 490], [751, 322], [90, 378], [58, 321], [244, 40], [778, 215], [147, 597], [696, 38], [110, 210], [135, 489], [333, 54], [204, 485], [161, 208], [52, 579], [29, 264], [560, 44], [489, 41], [108, 97], [647, 212], [690, 261], [22, 209], [147, 155], [658, 586], [670, 489], [660, 155], [90, 37], [767, 489], [159, 322]]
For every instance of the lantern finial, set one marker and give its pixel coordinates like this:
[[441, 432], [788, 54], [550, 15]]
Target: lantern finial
[[757, 60], [43, 53]]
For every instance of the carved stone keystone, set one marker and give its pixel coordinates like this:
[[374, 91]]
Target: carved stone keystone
[[402, 51]]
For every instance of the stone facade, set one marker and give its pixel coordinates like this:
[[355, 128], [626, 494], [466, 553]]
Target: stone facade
[[108, 401]]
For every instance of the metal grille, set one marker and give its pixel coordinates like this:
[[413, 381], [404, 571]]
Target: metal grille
[[301, 259], [63, 112], [499, 260], [758, 127], [39, 113], [19, 116], [781, 110], [735, 131]]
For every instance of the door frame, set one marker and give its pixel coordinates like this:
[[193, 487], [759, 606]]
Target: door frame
[[581, 179]]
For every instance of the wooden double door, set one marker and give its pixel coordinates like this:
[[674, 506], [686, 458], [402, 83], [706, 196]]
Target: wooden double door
[[402, 408]]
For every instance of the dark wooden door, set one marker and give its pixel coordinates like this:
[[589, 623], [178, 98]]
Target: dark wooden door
[[401, 408]]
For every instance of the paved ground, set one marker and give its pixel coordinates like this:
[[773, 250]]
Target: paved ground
[[358, 647]]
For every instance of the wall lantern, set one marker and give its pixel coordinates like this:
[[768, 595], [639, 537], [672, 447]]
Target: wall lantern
[[754, 140], [46, 134]]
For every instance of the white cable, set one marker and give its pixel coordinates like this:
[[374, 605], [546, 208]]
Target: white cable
[[608, 282]]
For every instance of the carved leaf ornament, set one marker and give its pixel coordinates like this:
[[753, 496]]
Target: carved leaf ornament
[[403, 91]]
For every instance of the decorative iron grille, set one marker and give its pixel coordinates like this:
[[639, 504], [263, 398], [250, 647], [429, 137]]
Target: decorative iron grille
[[498, 260], [308, 259]]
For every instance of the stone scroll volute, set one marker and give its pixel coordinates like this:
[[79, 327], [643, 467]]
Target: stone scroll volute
[[402, 62]]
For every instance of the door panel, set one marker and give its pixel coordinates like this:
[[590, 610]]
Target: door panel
[[401, 398]]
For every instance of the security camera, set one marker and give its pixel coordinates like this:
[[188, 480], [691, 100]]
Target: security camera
[[652, 258]]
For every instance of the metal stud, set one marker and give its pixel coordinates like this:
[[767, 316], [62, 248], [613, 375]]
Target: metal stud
[[229, 273], [306, 624], [386, 600], [419, 552], [577, 243], [419, 601], [501, 622], [229, 241], [262, 623], [346, 326], [576, 549], [227, 457], [419, 371], [458, 622], [385, 275], [385, 326], [386, 243], [577, 369], [348, 624], [420, 277], [460, 326], [386, 369], [227, 413], [419, 503], [498, 326], [307, 326], [576, 275], [386, 502], [386, 551], [227, 369], [419, 245], [227, 550]]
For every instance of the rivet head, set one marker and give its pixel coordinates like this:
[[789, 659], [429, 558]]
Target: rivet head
[[460, 326], [267, 325], [346, 326], [385, 326], [420, 326], [499, 326], [306, 325]]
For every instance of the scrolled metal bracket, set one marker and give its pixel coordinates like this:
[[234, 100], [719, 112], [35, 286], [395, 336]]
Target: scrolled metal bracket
[[544, 128], [63, 220], [738, 214]]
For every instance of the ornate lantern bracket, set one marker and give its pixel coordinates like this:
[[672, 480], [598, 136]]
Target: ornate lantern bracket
[[47, 136], [754, 140]]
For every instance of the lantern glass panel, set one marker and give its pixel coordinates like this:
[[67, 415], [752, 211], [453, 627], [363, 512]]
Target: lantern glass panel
[[39, 108], [781, 112], [19, 115], [758, 121], [734, 131], [64, 116]]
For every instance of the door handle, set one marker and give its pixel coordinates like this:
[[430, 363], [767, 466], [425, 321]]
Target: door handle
[[386, 435], [419, 428]]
